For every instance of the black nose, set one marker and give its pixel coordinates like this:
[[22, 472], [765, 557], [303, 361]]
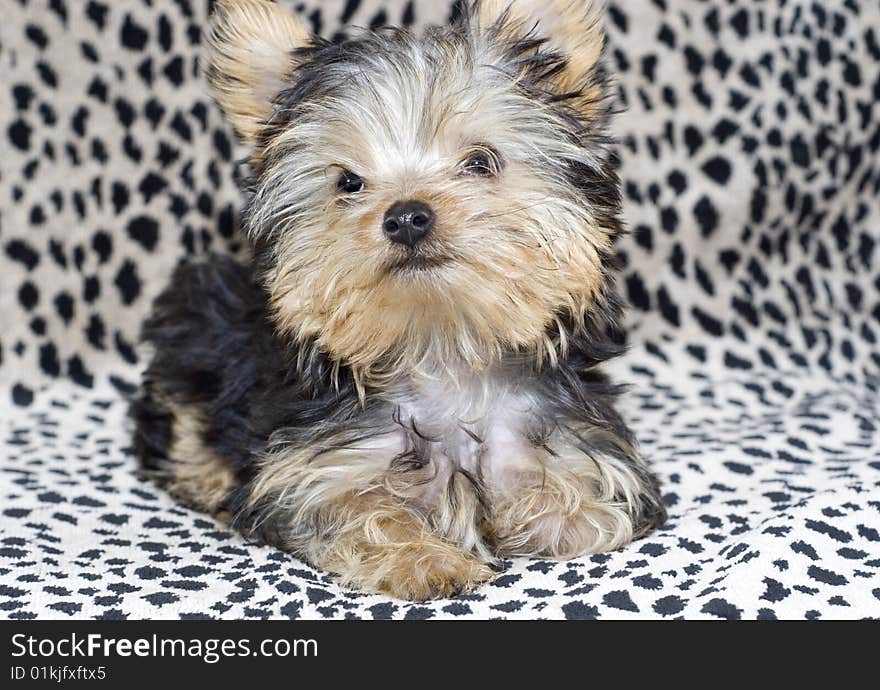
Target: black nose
[[408, 222]]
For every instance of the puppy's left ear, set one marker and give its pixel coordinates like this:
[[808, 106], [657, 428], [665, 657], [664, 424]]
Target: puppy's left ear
[[572, 28], [250, 55]]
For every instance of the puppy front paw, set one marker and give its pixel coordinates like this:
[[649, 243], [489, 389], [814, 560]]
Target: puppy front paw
[[427, 569], [544, 526], [380, 547], [565, 514]]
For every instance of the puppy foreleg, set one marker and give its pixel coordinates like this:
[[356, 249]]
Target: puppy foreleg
[[374, 543]]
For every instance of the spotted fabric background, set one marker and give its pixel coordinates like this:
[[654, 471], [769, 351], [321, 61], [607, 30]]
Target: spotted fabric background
[[749, 148]]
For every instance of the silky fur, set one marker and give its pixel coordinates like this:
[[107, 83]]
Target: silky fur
[[404, 113], [405, 417]]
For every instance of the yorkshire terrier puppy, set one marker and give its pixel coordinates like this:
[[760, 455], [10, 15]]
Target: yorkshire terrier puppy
[[403, 386]]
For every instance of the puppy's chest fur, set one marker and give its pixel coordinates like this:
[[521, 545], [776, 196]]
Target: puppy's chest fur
[[481, 425]]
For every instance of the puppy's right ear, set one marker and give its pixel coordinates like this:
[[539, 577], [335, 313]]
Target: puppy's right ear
[[249, 56]]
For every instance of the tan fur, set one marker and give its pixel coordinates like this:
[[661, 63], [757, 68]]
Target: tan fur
[[200, 477], [457, 515], [249, 53], [376, 544], [515, 264], [565, 509], [353, 515], [573, 27], [420, 533]]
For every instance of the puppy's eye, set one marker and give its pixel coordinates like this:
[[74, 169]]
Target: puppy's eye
[[483, 162], [349, 183]]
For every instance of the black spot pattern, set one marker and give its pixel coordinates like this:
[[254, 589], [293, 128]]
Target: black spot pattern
[[749, 158]]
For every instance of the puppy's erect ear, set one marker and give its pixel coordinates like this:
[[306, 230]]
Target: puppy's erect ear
[[249, 57], [573, 28]]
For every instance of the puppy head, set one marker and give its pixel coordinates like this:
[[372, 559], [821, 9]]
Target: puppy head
[[426, 200]]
